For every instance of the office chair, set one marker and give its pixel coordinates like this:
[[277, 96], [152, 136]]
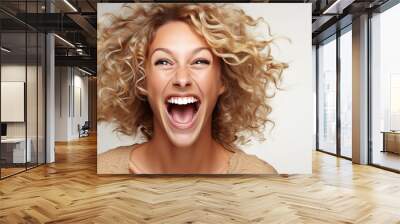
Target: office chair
[[84, 130]]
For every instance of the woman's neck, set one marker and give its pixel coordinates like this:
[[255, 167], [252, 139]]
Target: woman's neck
[[205, 155]]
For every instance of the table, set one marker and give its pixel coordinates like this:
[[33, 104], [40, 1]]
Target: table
[[17, 148], [391, 141]]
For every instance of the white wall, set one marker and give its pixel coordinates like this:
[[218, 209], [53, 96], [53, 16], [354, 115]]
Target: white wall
[[69, 81], [80, 84], [12, 73], [61, 103], [33, 126], [314, 86]]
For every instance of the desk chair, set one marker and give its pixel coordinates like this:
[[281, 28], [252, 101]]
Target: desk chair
[[84, 130]]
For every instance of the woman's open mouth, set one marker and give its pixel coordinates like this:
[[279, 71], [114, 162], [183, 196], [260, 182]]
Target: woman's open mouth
[[182, 110]]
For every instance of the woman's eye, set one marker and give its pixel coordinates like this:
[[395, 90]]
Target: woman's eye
[[163, 62], [201, 61]]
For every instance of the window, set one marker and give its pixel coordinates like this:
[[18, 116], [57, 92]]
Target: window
[[327, 96], [385, 89], [346, 93]]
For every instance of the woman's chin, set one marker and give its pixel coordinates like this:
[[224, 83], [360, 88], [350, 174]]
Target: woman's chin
[[183, 139], [180, 141]]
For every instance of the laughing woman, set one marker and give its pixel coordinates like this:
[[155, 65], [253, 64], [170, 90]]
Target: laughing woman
[[192, 80]]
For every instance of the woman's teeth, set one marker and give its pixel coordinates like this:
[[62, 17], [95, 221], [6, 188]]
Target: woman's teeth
[[182, 100]]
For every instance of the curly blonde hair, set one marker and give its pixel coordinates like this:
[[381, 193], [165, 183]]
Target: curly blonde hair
[[249, 72]]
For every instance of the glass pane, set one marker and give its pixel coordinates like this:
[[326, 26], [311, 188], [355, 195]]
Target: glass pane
[[32, 85], [386, 89], [13, 87], [23, 87], [31, 98], [41, 98], [346, 94], [327, 97]]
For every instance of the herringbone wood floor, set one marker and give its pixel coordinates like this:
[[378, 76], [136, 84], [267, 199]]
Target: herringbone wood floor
[[69, 191]]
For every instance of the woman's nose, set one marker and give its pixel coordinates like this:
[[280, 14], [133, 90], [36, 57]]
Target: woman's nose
[[182, 78]]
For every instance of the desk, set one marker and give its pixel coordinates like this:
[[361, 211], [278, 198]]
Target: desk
[[17, 148], [391, 141]]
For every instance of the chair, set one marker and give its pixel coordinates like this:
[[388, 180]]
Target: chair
[[84, 130]]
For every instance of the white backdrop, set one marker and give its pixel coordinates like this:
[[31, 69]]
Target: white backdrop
[[288, 146]]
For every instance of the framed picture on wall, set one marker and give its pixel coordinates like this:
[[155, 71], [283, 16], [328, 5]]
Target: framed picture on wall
[[204, 88]]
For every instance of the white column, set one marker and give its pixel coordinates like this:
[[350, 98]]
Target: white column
[[360, 90], [50, 99]]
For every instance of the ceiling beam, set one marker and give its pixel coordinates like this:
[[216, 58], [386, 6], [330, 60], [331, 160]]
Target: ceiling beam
[[83, 23], [85, 61]]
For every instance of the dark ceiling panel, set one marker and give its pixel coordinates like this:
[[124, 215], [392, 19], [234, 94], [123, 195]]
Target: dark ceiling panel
[[49, 22]]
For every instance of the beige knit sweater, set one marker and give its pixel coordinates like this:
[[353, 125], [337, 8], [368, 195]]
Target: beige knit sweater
[[116, 161]]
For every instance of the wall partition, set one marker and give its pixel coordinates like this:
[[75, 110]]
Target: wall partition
[[22, 77]]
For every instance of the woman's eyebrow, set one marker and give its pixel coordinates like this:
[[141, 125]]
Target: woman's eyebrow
[[166, 50], [161, 49], [196, 50]]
